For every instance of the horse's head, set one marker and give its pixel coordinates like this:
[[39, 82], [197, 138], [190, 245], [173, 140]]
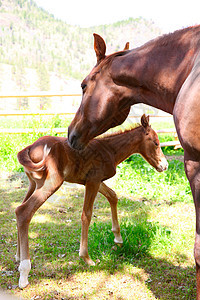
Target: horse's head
[[150, 147], [102, 106]]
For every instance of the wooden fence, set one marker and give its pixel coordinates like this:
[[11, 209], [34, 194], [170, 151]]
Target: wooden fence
[[174, 143]]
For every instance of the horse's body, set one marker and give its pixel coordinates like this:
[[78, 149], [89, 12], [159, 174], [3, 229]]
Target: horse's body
[[164, 73], [50, 161]]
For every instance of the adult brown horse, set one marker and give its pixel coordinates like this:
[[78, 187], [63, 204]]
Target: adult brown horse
[[164, 73]]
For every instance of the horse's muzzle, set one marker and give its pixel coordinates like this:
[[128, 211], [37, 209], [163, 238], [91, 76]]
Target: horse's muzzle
[[74, 140]]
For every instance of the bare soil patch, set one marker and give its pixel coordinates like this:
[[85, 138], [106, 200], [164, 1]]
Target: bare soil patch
[[176, 157]]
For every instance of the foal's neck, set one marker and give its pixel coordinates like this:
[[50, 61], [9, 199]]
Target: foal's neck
[[126, 143]]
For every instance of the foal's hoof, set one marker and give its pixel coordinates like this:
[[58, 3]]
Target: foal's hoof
[[23, 282], [24, 269], [88, 260], [118, 242], [91, 263]]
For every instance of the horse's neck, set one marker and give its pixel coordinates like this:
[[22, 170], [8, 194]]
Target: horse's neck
[[156, 71], [125, 144]]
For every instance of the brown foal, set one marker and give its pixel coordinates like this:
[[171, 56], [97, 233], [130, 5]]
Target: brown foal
[[50, 161]]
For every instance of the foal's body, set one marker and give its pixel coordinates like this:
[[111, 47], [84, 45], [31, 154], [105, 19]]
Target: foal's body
[[50, 161]]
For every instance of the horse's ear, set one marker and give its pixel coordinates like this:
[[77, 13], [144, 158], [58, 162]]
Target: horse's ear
[[145, 121], [126, 46], [99, 47]]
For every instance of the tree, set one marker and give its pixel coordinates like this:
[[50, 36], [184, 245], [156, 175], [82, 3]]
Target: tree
[[43, 84]]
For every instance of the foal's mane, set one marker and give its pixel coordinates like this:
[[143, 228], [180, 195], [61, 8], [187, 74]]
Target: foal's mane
[[120, 132]]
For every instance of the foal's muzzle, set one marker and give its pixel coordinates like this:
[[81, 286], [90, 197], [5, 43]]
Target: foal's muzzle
[[163, 165]]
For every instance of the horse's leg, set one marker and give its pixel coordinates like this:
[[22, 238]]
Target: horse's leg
[[91, 189], [31, 189], [24, 214], [186, 117], [192, 169], [112, 198]]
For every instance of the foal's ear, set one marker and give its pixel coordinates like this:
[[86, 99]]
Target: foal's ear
[[126, 46], [145, 121], [99, 47]]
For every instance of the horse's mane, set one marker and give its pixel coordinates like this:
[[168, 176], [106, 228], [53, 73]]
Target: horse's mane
[[172, 37], [110, 57]]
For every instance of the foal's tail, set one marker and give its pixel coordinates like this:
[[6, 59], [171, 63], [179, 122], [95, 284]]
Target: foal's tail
[[25, 160]]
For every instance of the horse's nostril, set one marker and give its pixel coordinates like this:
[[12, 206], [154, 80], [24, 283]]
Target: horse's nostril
[[72, 139]]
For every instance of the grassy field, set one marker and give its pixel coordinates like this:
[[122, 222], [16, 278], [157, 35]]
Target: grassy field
[[157, 220]]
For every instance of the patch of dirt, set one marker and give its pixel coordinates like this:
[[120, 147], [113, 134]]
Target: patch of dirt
[[176, 157]]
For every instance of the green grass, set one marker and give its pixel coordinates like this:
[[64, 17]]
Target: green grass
[[35, 121], [139, 179]]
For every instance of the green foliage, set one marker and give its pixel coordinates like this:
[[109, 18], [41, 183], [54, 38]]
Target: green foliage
[[43, 78], [44, 85], [56, 121]]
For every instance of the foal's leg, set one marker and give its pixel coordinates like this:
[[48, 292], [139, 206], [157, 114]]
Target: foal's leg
[[112, 198], [91, 189], [31, 189], [24, 214]]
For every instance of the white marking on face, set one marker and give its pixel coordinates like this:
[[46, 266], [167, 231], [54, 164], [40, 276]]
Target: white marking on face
[[163, 165]]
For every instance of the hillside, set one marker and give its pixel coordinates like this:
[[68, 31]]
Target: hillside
[[36, 48]]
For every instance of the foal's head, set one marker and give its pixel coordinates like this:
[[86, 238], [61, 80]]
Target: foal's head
[[150, 147]]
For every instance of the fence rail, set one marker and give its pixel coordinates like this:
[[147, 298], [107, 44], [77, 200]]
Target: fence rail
[[40, 94], [34, 113]]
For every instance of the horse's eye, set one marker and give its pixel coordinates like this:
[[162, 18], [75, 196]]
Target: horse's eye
[[156, 143], [83, 86]]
